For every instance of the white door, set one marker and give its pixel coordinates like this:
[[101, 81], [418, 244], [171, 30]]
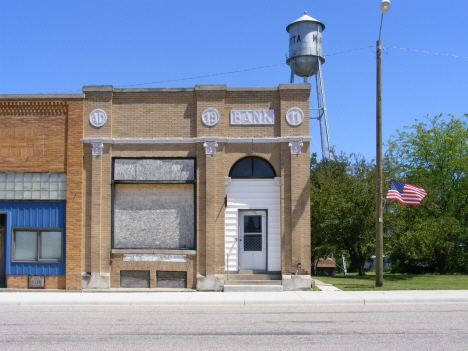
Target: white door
[[252, 240]]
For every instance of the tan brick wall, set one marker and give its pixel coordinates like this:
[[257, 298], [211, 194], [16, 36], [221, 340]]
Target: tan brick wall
[[211, 97], [201, 213], [160, 113], [118, 264], [144, 115], [57, 282], [87, 209], [21, 281], [98, 100], [286, 221], [16, 281], [294, 98]]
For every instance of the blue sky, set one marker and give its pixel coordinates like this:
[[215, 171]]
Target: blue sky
[[60, 46]]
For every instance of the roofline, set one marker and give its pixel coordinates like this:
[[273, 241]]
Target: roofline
[[203, 87], [41, 96]]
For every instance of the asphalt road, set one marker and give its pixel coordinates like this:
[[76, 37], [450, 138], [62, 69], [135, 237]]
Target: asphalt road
[[377, 327]]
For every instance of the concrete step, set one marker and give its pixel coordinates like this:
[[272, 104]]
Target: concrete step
[[242, 276], [249, 271], [253, 288], [252, 282]]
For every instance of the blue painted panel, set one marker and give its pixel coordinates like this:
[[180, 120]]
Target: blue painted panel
[[33, 215]]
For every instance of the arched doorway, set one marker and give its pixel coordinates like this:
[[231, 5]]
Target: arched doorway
[[252, 217]]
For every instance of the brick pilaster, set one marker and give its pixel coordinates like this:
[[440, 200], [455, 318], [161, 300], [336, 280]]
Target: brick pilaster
[[74, 212]]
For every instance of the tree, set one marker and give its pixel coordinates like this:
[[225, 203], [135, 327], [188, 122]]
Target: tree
[[343, 208], [434, 155]]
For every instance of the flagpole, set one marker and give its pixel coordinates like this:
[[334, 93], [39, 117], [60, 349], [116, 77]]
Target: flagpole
[[384, 7]]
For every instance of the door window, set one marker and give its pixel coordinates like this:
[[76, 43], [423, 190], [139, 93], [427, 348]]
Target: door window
[[252, 224]]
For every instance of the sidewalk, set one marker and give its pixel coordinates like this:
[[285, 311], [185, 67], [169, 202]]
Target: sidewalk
[[324, 286], [61, 298]]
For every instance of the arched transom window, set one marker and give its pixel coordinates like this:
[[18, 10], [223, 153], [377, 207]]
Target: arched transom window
[[252, 167]]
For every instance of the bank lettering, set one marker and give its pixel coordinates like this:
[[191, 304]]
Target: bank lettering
[[250, 117]]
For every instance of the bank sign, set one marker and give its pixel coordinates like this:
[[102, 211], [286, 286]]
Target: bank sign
[[252, 117]]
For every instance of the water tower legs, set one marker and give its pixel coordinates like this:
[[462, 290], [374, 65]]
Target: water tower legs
[[322, 114], [321, 109], [293, 68]]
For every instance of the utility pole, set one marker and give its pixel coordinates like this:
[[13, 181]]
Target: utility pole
[[384, 7]]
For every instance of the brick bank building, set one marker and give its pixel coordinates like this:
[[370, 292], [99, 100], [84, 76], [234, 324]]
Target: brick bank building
[[200, 188]]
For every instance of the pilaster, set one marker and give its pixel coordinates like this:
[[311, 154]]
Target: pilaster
[[74, 169]]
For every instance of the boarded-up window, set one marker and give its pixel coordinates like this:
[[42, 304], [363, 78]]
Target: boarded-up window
[[134, 279], [158, 213], [154, 169], [171, 280]]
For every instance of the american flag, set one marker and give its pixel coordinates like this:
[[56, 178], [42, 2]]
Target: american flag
[[407, 194]]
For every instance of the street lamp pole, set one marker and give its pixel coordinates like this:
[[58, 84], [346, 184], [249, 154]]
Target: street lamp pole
[[384, 7]]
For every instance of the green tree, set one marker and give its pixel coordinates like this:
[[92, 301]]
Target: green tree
[[343, 208], [434, 155]]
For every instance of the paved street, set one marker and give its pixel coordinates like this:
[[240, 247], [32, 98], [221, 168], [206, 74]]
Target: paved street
[[386, 327]]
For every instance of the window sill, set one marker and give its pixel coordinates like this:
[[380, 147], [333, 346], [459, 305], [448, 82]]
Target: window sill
[[155, 251]]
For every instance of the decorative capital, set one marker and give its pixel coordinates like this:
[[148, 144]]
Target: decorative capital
[[210, 147], [278, 180], [227, 180], [97, 148], [295, 147]]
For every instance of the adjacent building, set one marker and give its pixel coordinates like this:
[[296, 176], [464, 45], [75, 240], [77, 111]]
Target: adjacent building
[[41, 167]]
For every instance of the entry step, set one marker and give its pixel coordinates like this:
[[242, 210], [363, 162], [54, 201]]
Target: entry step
[[251, 282], [242, 276], [253, 288]]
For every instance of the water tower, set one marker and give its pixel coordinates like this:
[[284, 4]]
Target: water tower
[[305, 58]]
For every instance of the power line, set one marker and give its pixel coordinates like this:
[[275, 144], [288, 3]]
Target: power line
[[345, 52], [231, 72], [427, 52], [269, 66], [205, 76]]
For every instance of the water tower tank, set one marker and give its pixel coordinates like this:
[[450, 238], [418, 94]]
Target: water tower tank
[[305, 45]]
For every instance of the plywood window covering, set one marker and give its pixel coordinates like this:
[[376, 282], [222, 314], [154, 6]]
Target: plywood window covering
[[176, 280], [134, 279], [154, 204]]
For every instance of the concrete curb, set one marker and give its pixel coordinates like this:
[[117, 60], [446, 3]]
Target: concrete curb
[[42, 298]]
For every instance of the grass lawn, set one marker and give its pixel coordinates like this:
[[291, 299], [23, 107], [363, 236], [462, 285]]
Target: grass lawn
[[398, 281]]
